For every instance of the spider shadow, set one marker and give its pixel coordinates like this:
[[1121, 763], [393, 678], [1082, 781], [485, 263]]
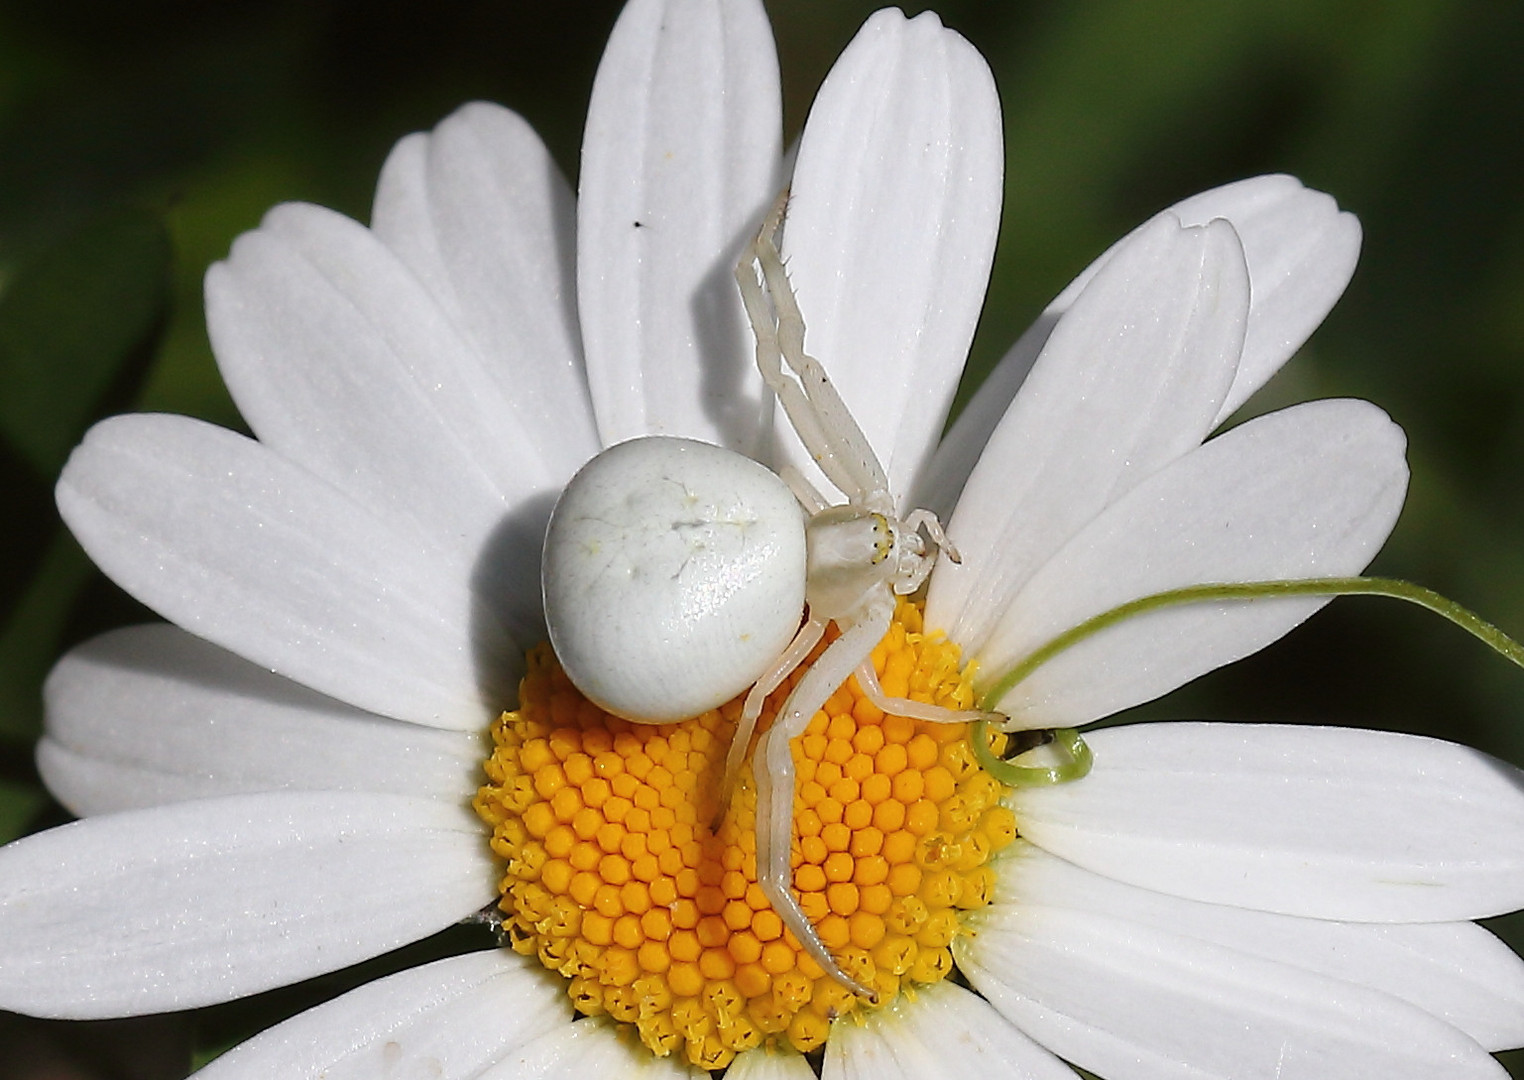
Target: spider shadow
[[730, 391], [509, 616]]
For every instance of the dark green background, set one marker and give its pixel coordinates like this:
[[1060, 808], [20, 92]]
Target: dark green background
[[136, 140]]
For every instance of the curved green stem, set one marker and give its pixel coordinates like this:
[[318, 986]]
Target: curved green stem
[[1070, 740], [1013, 775], [1428, 599]]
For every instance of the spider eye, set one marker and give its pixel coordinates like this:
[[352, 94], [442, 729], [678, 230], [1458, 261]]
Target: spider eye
[[883, 537]]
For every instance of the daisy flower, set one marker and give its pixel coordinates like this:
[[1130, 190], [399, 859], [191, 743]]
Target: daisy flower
[[287, 778]]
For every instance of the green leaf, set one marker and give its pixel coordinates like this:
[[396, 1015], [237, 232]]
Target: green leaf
[[71, 319]]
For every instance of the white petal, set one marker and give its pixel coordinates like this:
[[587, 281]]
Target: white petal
[[1311, 491], [589, 1048], [770, 1063], [892, 216], [680, 158], [149, 715], [1329, 823], [1455, 971], [449, 1020], [1129, 382], [942, 481], [186, 905], [240, 547], [342, 362], [944, 1033], [1132, 1002], [481, 214], [1301, 252]]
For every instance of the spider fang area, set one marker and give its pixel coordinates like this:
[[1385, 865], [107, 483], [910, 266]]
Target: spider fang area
[[614, 879]]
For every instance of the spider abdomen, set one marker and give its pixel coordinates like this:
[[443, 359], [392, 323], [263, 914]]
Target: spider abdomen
[[673, 576]]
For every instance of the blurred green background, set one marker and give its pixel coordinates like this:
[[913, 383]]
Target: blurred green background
[[136, 140]]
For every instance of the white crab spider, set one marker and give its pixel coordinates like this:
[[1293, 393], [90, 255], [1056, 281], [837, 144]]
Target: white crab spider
[[676, 573]]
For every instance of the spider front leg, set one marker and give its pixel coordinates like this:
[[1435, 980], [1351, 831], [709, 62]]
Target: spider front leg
[[773, 768], [819, 417]]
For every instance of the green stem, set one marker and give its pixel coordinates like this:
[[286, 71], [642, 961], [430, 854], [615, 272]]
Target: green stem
[[1254, 590], [1074, 746]]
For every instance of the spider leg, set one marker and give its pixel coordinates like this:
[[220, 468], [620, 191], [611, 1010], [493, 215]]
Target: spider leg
[[812, 501], [806, 639], [764, 328], [814, 408], [925, 519], [914, 567], [867, 682], [773, 767]]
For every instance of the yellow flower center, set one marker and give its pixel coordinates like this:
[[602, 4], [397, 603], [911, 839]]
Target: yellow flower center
[[615, 880]]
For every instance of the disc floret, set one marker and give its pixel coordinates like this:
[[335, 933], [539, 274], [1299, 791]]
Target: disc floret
[[615, 879]]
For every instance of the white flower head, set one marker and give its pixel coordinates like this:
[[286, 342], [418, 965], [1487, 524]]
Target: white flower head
[[276, 784]]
